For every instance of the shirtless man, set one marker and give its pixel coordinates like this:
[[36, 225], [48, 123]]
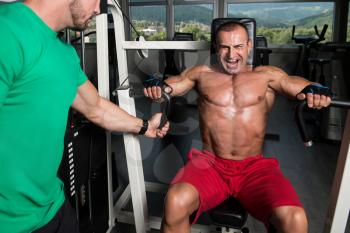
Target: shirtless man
[[234, 104]]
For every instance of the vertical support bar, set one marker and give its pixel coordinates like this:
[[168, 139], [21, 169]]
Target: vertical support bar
[[132, 143], [216, 9], [82, 50], [223, 10], [340, 20], [170, 22], [67, 36], [339, 205], [103, 90]]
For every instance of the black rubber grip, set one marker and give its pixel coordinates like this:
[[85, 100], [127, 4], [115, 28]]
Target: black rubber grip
[[165, 107], [163, 120], [299, 119]]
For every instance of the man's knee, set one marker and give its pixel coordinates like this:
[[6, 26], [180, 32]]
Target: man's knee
[[288, 218], [180, 202]]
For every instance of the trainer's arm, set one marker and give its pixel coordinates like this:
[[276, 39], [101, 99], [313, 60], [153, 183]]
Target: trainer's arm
[[109, 116]]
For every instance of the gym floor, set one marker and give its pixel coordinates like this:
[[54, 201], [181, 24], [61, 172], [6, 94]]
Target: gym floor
[[310, 170]]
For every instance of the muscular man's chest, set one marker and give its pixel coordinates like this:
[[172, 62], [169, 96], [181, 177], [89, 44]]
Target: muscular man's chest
[[238, 93]]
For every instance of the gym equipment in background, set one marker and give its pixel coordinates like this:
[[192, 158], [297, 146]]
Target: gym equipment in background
[[306, 42]]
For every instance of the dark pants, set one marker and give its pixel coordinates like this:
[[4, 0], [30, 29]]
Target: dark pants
[[65, 221]]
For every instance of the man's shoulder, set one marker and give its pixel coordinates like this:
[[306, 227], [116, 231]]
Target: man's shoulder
[[271, 73], [197, 71], [201, 68], [266, 69]]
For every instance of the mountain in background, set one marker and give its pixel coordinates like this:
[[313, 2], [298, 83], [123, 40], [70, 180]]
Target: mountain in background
[[319, 20], [283, 12], [148, 13], [271, 15]]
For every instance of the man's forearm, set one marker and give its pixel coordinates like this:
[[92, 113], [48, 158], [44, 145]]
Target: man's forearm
[[292, 85], [179, 87], [113, 118]]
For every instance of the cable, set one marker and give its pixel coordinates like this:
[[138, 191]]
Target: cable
[[127, 18], [121, 86]]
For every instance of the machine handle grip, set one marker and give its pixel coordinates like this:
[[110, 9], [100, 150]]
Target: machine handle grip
[[299, 118], [165, 107]]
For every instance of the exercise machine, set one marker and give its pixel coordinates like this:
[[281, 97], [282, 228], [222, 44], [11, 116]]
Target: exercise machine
[[306, 43]]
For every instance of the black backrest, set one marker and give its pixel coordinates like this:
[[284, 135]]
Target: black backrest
[[248, 22], [261, 41]]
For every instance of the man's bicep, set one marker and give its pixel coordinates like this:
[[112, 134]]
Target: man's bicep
[[288, 85], [87, 98], [183, 82], [277, 79]]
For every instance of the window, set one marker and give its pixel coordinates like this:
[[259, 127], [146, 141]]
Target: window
[[190, 16], [149, 21], [194, 18], [275, 20]]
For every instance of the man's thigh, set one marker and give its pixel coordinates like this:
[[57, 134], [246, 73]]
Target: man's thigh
[[265, 188], [200, 172]]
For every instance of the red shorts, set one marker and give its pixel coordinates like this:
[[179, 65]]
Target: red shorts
[[256, 182]]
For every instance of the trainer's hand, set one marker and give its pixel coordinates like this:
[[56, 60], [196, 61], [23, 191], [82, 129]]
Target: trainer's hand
[[153, 125], [315, 97]]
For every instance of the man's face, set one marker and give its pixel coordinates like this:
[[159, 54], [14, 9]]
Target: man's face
[[233, 48], [82, 11]]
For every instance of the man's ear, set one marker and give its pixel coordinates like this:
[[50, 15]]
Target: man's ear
[[250, 45]]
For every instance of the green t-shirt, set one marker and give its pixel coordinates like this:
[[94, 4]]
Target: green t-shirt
[[39, 77]]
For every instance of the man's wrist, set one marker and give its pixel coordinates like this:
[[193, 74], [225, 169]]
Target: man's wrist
[[144, 127]]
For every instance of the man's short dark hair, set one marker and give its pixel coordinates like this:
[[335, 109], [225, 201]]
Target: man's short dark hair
[[230, 26]]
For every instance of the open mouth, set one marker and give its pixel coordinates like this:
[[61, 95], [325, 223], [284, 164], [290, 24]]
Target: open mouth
[[232, 63]]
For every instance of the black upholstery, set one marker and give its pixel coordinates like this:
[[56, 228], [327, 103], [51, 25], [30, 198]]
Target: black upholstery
[[229, 213], [262, 52]]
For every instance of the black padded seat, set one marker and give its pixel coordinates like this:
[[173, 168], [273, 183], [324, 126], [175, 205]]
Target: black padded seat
[[229, 213]]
